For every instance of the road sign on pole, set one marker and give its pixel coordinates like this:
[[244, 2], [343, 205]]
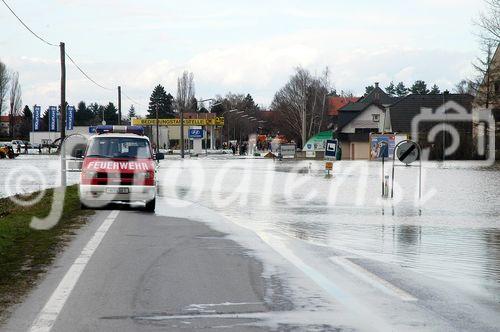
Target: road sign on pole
[[331, 148], [407, 152]]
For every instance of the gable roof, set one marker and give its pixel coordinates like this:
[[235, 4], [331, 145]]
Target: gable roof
[[351, 111], [379, 96], [403, 111], [336, 102]]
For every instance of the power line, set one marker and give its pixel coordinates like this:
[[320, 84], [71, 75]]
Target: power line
[[85, 74], [27, 27], [66, 53], [132, 100]]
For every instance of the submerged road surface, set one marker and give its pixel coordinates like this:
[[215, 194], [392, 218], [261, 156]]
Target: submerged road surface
[[130, 271]]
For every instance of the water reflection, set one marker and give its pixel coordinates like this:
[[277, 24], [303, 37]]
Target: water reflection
[[453, 235]]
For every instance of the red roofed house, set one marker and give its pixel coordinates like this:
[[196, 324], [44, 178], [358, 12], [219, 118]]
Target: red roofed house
[[334, 104]]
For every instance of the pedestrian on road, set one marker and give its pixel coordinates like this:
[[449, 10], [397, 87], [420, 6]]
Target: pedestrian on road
[[25, 148], [40, 149], [18, 148]]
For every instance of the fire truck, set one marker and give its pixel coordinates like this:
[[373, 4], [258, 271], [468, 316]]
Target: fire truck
[[118, 166]]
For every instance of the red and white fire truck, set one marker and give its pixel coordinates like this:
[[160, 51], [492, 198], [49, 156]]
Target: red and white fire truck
[[118, 166]]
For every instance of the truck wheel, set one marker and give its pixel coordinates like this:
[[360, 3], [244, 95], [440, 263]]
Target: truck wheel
[[150, 206], [83, 206]]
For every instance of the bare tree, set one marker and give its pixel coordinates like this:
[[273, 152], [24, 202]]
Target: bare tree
[[15, 100], [301, 104], [465, 87], [488, 72], [185, 92], [4, 84], [489, 22]]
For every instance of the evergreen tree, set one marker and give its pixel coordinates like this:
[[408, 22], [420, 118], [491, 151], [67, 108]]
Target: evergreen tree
[[391, 89], [401, 90], [250, 103], [435, 90], [419, 88], [369, 89], [27, 112], [131, 113], [45, 120], [159, 98], [83, 115], [111, 114]]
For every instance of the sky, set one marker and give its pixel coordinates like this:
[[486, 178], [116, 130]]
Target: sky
[[234, 46]]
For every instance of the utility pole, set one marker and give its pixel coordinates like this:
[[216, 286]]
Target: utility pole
[[63, 91], [182, 132], [120, 105], [157, 131], [63, 114]]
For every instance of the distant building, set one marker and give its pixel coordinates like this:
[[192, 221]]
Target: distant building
[[5, 124], [335, 103], [378, 112], [358, 119]]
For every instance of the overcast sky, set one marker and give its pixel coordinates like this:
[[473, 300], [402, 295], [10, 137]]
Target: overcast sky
[[238, 46]]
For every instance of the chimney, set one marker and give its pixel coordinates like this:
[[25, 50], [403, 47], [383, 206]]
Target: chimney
[[376, 85]]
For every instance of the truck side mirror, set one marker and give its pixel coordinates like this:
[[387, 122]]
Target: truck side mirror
[[159, 156], [79, 154]]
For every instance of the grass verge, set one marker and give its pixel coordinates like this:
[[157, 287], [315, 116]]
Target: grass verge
[[26, 253]]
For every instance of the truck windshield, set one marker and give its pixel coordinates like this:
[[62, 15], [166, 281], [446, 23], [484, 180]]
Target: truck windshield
[[119, 147]]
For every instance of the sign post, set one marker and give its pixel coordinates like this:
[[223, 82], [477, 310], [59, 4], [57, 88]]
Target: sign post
[[407, 152], [331, 149], [383, 152]]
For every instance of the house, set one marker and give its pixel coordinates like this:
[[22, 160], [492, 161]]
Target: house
[[378, 112], [358, 119], [4, 125], [334, 104], [444, 109]]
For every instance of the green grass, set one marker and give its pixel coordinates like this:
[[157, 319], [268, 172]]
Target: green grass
[[25, 253]]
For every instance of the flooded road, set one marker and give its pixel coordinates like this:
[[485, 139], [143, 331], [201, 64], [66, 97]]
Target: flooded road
[[340, 248], [452, 234]]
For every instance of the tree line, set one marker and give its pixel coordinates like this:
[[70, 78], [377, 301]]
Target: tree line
[[10, 95]]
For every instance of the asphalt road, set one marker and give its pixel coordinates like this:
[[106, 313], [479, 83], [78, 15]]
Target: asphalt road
[[135, 271], [131, 271]]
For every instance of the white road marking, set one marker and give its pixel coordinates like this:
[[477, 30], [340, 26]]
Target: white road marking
[[373, 279], [48, 315]]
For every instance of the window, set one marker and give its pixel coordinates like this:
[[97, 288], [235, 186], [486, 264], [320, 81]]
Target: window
[[119, 147], [376, 117]]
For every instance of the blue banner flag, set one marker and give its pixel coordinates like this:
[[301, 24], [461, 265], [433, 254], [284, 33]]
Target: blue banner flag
[[37, 114], [52, 118], [70, 117]]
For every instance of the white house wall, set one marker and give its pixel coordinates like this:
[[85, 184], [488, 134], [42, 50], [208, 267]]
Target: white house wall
[[364, 120]]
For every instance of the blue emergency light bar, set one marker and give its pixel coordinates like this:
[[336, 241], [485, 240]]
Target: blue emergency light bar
[[138, 130]]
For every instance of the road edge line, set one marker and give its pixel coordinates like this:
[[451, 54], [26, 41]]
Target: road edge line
[[47, 316]]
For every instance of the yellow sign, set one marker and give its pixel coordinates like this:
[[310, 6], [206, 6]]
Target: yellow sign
[[329, 166], [217, 121]]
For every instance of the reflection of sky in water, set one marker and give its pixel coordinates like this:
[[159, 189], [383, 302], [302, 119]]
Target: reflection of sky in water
[[453, 235]]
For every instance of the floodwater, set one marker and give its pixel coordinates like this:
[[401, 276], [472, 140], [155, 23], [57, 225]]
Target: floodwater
[[452, 233], [28, 173]]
